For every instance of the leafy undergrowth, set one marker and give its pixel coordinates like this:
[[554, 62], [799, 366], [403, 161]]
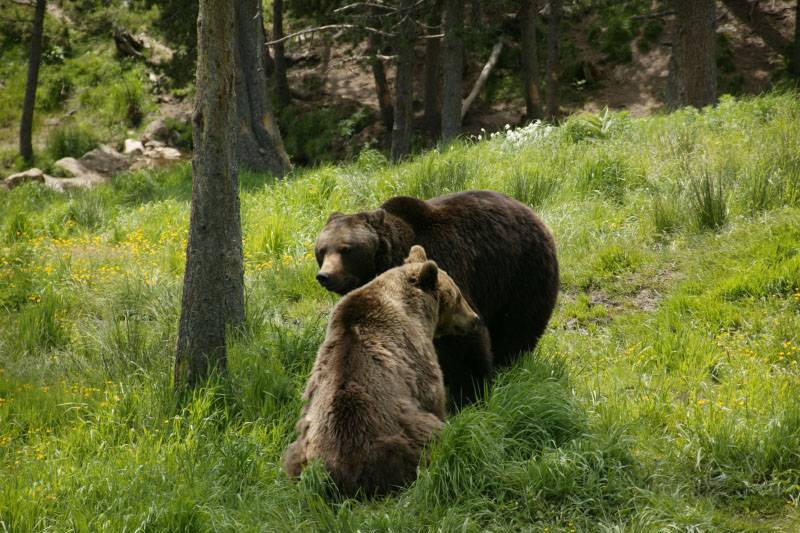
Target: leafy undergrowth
[[663, 396]]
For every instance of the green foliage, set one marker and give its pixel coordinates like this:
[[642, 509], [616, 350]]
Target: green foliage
[[70, 140], [662, 397], [318, 135]]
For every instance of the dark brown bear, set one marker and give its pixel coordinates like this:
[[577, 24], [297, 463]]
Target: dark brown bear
[[375, 396], [498, 252]]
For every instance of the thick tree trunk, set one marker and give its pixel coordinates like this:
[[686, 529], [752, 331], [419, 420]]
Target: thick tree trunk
[[213, 288], [530, 61], [553, 58], [281, 83], [381, 85], [403, 88], [494, 57], [796, 52], [259, 145], [432, 92], [749, 14], [452, 69], [26, 123], [693, 73]]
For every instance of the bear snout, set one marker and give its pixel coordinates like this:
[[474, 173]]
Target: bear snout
[[324, 279]]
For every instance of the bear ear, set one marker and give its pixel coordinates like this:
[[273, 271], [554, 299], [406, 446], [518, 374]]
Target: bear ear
[[334, 216], [416, 255], [377, 217], [428, 276]]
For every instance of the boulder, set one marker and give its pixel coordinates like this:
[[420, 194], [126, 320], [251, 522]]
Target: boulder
[[84, 176], [33, 174], [105, 160], [133, 147], [156, 131]]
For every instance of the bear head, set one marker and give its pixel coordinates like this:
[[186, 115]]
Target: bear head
[[350, 251], [456, 316]]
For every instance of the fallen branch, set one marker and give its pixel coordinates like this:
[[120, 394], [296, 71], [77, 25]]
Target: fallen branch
[[327, 28], [481, 81]]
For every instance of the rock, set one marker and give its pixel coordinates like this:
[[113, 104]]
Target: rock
[[81, 176], [57, 184], [62, 184], [156, 131], [166, 153], [154, 144], [105, 160], [70, 166], [133, 147], [33, 174]]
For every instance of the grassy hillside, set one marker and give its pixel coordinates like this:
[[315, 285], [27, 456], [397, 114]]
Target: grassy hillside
[[664, 395]]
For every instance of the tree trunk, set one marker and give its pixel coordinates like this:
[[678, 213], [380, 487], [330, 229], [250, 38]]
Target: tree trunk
[[530, 61], [26, 123], [281, 83], [553, 53], [213, 287], [381, 85], [796, 52], [432, 93], [259, 146], [452, 69], [693, 73], [755, 19], [494, 57], [403, 88]]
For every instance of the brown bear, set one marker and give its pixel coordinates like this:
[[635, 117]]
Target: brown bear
[[375, 396], [499, 253]]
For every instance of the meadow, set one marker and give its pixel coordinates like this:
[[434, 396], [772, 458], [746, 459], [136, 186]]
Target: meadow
[[664, 395]]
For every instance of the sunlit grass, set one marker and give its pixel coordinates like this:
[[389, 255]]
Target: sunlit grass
[[663, 396]]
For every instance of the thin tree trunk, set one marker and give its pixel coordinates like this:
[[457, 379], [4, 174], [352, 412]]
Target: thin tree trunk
[[213, 288], [452, 69], [259, 144], [796, 52], [381, 85], [26, 123], [553, 62], [494, 57], [281, 83], [530, 61], [404, 89], [693, 74], [432, 92], [755, 19]]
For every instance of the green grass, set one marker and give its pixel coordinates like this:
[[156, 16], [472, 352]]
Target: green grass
[[662, 397]]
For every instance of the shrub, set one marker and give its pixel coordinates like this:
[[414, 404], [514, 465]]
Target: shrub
[[708, 202], [70, 141], [127, 100]]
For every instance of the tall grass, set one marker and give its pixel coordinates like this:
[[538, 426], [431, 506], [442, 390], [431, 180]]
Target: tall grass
[[662, 397]]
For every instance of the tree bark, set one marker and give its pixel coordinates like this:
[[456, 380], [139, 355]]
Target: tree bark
[[494, 57], [259, 146], [553, 58], [403, 88], [452, 69], [693, 73], [755, 19], [281, 83], [381, 85], [213, 286], [530, 61], [26, 122], [796, 51], [432, 92]]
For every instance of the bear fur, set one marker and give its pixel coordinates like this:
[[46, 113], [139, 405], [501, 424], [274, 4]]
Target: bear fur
[[496, 249], [375, 396]]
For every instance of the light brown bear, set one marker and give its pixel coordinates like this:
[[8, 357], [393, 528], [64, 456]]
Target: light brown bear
[[376, 397]]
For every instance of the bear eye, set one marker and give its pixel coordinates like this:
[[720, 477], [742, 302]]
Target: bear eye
[[345, 250]]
